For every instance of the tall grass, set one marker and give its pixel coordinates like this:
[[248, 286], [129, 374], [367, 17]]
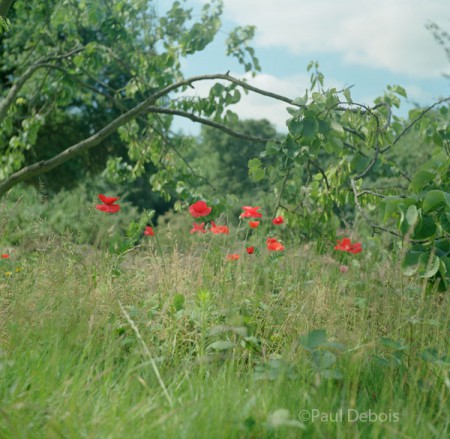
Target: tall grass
[[95, 345]]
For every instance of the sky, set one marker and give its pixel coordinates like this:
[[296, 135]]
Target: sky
[[366, 44]]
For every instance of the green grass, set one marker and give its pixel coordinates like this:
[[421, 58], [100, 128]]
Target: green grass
[[84, 336]]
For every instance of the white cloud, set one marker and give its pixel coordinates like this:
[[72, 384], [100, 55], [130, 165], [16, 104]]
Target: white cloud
[[385, 34]]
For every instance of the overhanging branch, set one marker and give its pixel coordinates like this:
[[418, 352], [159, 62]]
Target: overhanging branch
[[144, 107]]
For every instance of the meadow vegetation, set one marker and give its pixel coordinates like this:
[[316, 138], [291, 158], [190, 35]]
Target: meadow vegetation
[[168, 338]]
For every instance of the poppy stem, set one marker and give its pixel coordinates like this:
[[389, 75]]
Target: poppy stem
[[158, 244]]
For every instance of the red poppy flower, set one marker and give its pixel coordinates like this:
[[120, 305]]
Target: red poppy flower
[[253, 224], [346, 245], [199, 209], [107, 200], [250, 250], [108, 208], [108, 205], [233, 257], [199, 228], [274, 245], [343, 268], [5, 256], [251, 212], [217, 230], [149, 231], [278, 220]]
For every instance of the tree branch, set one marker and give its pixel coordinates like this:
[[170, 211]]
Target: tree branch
[[145, 106], [316, 165], [6, 103], [203, 121], [409, 126]]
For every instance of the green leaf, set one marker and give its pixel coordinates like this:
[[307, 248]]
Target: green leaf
[[323, 359], [388, 206], [348, 95], [399, 90], [178, 302], [255, 169], [335, 143], [221, 345], [319, 98], [301, 101], [412, 215], [420, 179], [334, 345], [410, 263], [272, 148], [337, 127], [389, 343], [332, 374], [433, 200], [295, 127], [425, 228], [429, 266], [313, 339], [310, 127]]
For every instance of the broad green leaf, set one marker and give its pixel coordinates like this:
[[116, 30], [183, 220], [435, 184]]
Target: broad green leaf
[[323, 359], [359, 163], [425, 228], [335, 142], [433, 200], [310, 127], [389, 343], [313, 339], [390, 205], [410, 263], [420, 179], [337, 127], [295, 127], [447, 198], [429, 265], [324, 127]]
